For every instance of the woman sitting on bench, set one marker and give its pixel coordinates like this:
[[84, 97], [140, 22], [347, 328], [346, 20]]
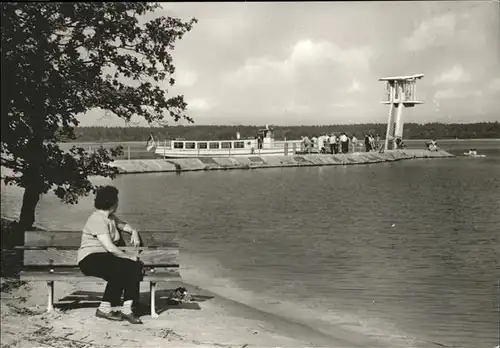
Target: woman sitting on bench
[[100, 257]]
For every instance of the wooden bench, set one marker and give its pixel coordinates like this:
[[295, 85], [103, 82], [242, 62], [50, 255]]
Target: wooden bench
[[52, 256]]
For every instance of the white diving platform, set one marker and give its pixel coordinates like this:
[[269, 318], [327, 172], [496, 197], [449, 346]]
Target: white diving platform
[[401, 93]]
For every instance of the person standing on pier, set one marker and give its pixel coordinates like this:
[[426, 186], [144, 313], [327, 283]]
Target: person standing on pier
[[322, 142], [344, 141], [260, 140], [314, 140], [333, 141], [372, 142], [367, 143], [354, 141], [307, 143]]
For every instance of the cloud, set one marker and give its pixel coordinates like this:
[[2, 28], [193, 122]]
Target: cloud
[[185, 78], [347, 104], [199, 104], [431, 32], [303, 54], [453, 93], [449, 93], [354, 87], [455, 74], [495, 85], [304, 80], [260, 71], [310, 52]]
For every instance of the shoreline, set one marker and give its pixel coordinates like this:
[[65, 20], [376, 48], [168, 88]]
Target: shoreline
[[211, 320], [136, 166]]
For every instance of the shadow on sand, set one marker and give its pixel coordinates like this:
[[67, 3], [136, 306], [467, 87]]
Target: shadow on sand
[[91, 299]]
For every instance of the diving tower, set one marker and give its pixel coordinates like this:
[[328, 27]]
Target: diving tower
[[401, 93]]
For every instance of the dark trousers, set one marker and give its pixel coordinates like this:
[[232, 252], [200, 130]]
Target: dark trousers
[[345, 147], [123, 276]]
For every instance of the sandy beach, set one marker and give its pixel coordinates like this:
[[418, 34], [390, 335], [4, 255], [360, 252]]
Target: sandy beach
[[207, 321], [205, 324]]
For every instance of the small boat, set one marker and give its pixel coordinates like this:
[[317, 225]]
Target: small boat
[[263, 145], [473, 155]]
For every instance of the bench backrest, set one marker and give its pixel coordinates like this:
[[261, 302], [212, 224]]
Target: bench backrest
[[59, 248]]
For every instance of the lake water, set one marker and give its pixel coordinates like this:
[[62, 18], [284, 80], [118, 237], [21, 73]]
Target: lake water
[[408, 249]]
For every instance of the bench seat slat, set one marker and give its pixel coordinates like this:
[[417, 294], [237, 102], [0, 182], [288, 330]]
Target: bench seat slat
[[68, 268], [58, 257], [164, 274], [75, 272], [76, 247]]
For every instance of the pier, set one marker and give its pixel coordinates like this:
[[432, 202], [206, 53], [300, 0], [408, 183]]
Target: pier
[[256, 162]]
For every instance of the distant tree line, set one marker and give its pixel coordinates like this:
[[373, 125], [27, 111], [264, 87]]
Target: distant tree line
[[204, 132]]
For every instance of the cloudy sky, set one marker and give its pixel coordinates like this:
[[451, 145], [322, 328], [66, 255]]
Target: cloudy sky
[[318, 63]]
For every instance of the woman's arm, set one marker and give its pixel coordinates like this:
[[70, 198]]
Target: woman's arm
[[107, 243], [125, 227], [122, 225]]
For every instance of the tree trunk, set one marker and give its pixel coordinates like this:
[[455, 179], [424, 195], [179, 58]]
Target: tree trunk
[[30, 200], [32, 182]]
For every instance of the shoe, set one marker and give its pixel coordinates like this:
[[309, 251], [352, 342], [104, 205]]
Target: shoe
[[113, 315], [131, 318]]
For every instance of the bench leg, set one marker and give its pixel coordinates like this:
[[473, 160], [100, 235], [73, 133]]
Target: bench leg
[[152, 290], [50, 288]]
